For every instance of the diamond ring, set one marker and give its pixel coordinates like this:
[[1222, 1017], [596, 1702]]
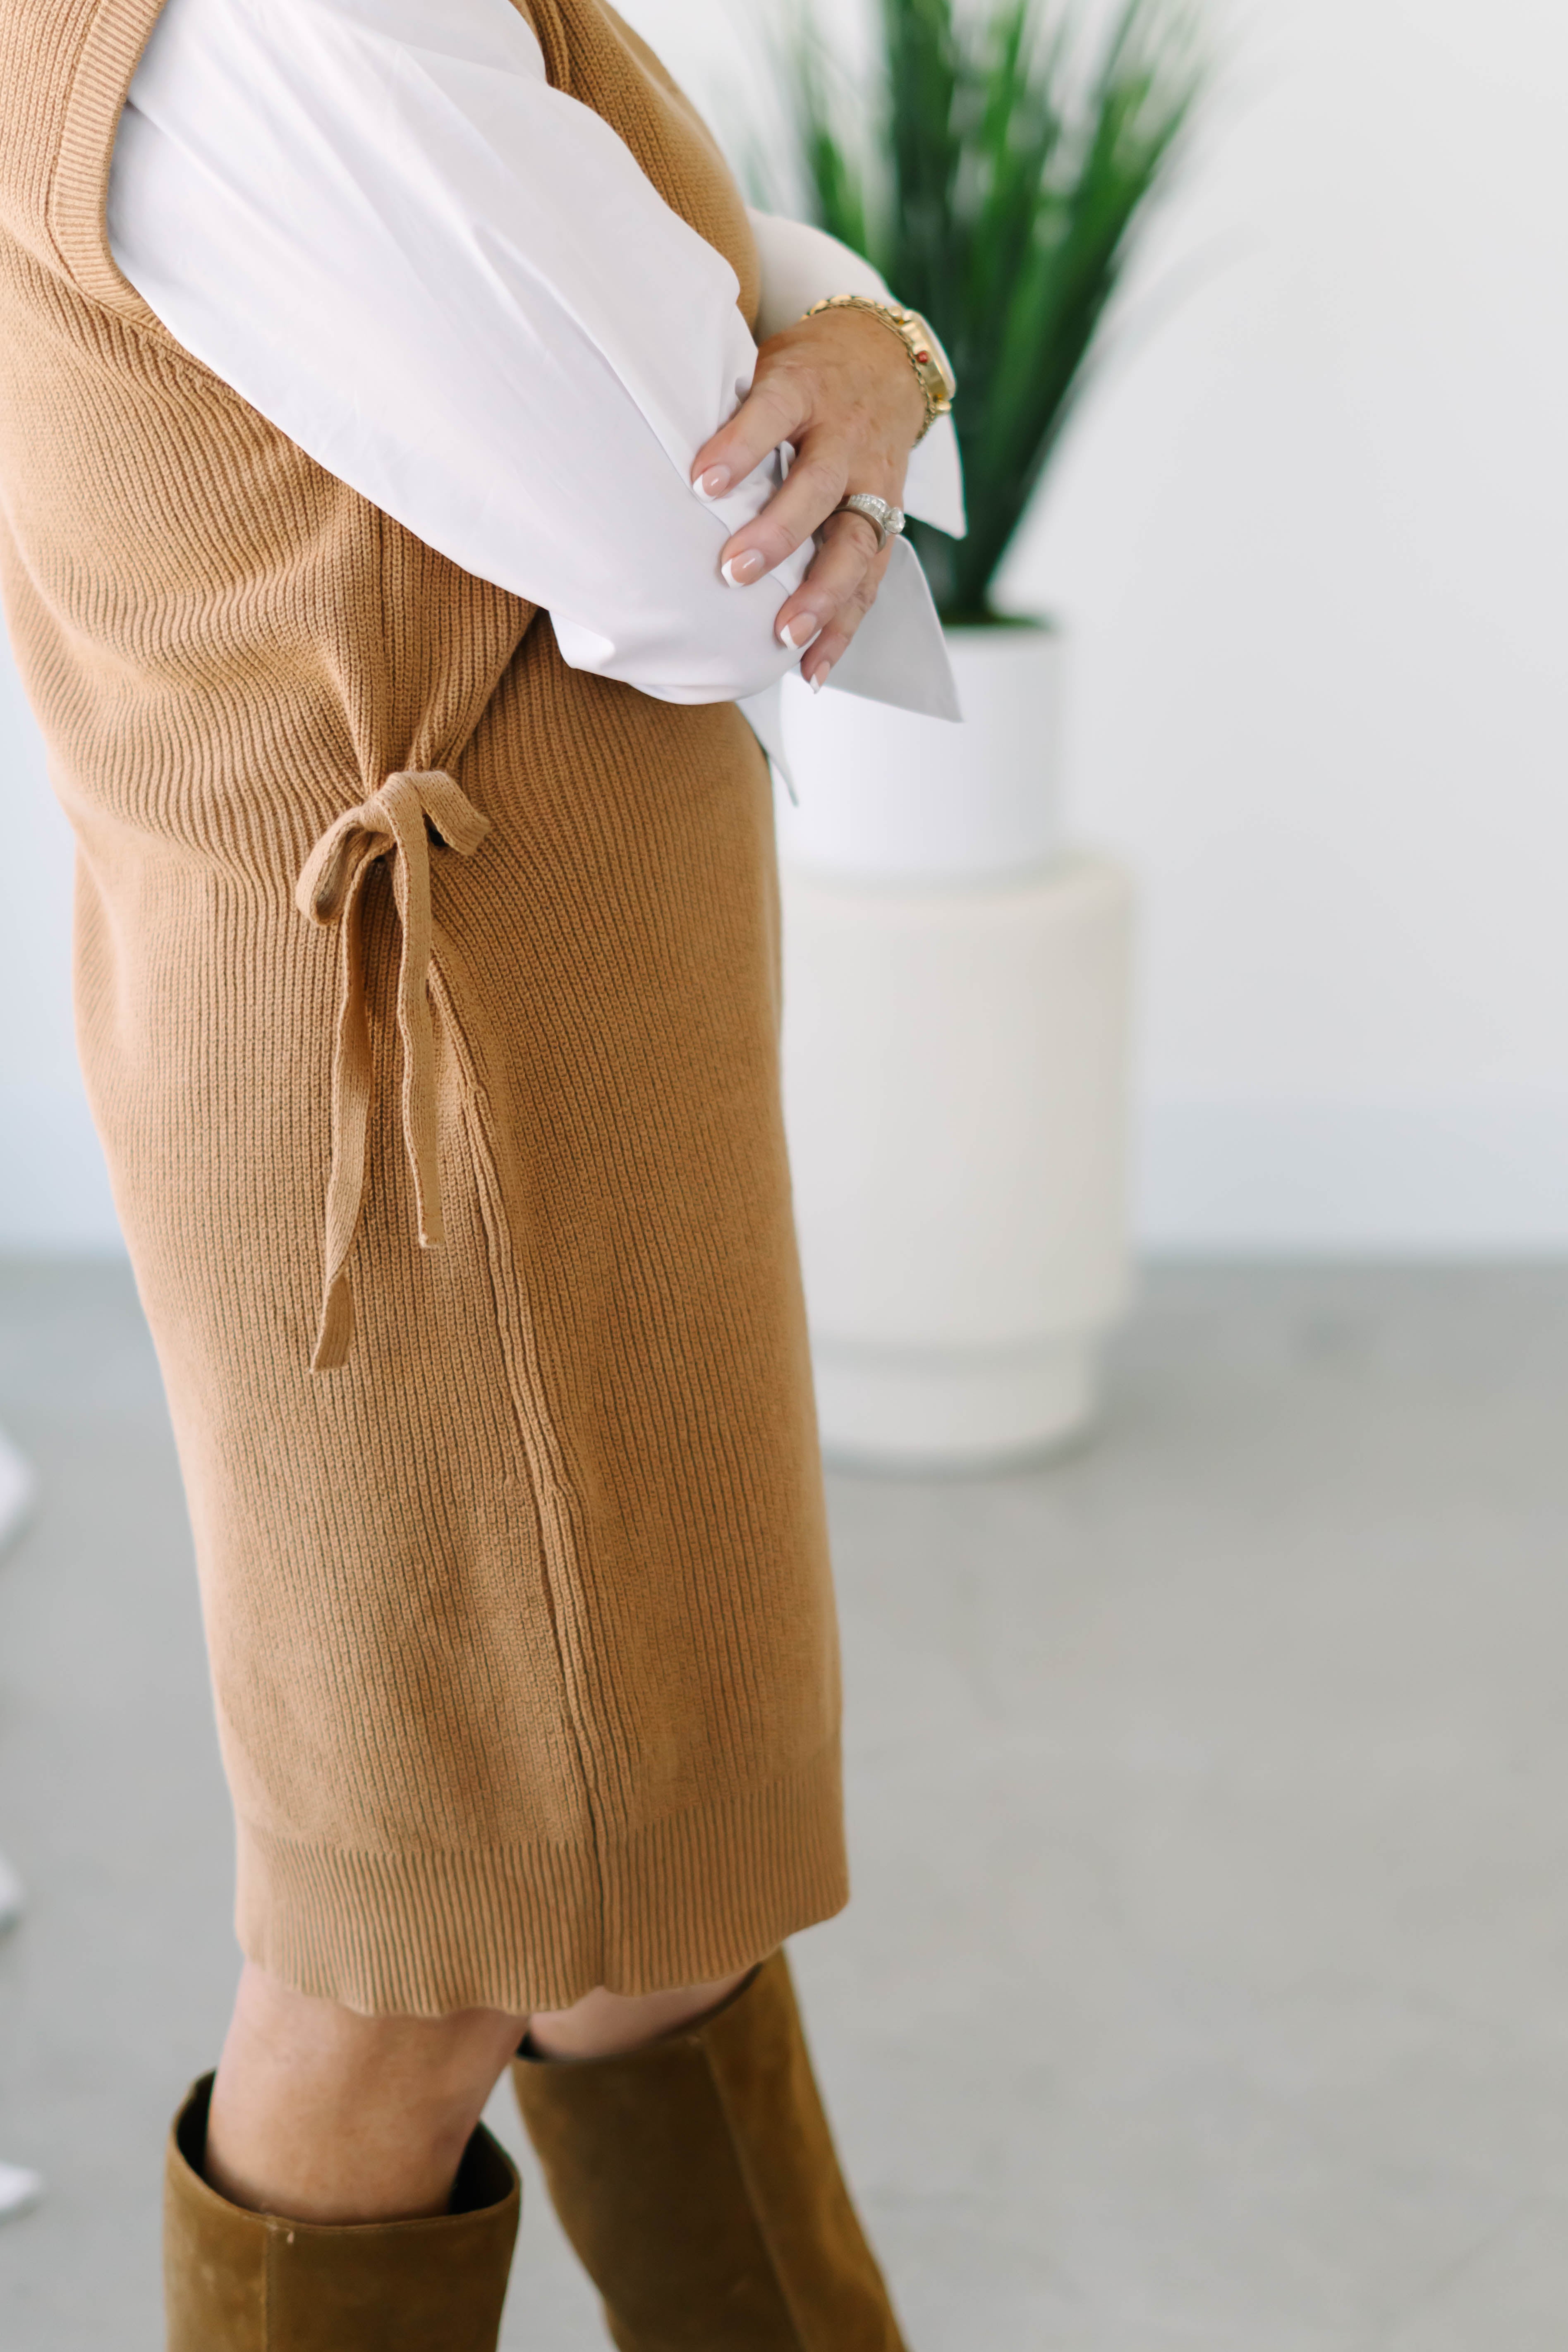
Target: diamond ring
[[888, 520]]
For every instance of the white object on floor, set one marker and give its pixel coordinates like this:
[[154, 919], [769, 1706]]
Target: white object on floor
[[13, 1897], [955, 1091], [15, 1489], [957, 1039], [19, 2191]]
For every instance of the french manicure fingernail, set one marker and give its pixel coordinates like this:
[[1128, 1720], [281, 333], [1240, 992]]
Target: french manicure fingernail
[[741, 568], [714, 482], [820, 680], [800, 632]]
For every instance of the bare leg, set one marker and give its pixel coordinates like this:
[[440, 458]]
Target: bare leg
[[323, 2114], [604, 2024]]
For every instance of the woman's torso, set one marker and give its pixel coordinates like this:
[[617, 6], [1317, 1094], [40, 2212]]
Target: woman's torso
[[224, 644]]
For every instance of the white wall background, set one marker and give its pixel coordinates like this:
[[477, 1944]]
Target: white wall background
[[1310, 539]]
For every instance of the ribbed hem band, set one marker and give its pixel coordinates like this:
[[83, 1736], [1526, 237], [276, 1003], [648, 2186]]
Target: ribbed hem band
[[683, 1901]]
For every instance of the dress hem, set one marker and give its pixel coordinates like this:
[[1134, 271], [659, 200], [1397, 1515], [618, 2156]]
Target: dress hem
[[696, 1896]]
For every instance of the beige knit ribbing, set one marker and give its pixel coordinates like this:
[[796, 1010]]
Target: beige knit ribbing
[[520, 1617]]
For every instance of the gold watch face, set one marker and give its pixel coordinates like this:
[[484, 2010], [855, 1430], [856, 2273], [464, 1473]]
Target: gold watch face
[[927, 349]]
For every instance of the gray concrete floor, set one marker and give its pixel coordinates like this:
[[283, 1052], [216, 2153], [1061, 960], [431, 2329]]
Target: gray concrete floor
[[1207, 1984]]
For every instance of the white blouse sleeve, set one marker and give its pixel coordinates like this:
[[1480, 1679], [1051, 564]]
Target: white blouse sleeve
[[455, 288]]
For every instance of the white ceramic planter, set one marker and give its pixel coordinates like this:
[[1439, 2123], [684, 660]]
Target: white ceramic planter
[[956, 994], [887, 796]]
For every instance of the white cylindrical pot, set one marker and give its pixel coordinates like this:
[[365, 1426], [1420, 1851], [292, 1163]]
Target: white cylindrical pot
[[886, 795], [955, 1085]]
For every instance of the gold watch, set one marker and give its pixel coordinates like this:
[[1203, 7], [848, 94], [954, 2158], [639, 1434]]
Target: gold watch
[[933, 368]]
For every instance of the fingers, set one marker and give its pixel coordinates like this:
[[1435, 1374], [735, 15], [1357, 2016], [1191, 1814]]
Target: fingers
[[838, 369], [774, 410], [835, 641], [835, 596], [832, 391], [818, 480], [846, 550]]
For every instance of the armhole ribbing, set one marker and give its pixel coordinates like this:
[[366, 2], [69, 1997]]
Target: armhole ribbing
[[78, 192], [550, 34]]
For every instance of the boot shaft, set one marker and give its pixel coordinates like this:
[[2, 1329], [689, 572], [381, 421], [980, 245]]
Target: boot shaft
[[698, 2181], [241, 2282]]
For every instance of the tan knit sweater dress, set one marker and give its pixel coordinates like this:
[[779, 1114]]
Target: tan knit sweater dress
[[518, 1605]]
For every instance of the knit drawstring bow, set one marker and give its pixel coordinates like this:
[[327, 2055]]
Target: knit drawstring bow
[[393, 820]]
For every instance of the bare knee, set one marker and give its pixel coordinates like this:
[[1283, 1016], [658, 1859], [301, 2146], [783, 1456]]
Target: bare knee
[[299, 2035], [605, 2025], [322, 2114]]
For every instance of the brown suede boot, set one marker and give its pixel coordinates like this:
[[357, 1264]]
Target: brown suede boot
[[696, 2180], [241, 2282]]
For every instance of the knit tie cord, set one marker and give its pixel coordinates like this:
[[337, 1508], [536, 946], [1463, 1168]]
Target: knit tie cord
[[329, 891]]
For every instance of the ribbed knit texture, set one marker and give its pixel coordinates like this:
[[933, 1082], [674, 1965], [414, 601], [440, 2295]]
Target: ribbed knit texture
[[521, 1623]]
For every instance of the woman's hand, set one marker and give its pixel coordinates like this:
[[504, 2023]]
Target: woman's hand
[[839, 388]]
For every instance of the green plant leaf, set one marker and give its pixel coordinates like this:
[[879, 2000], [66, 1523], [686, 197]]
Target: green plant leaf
[[997, 174]]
